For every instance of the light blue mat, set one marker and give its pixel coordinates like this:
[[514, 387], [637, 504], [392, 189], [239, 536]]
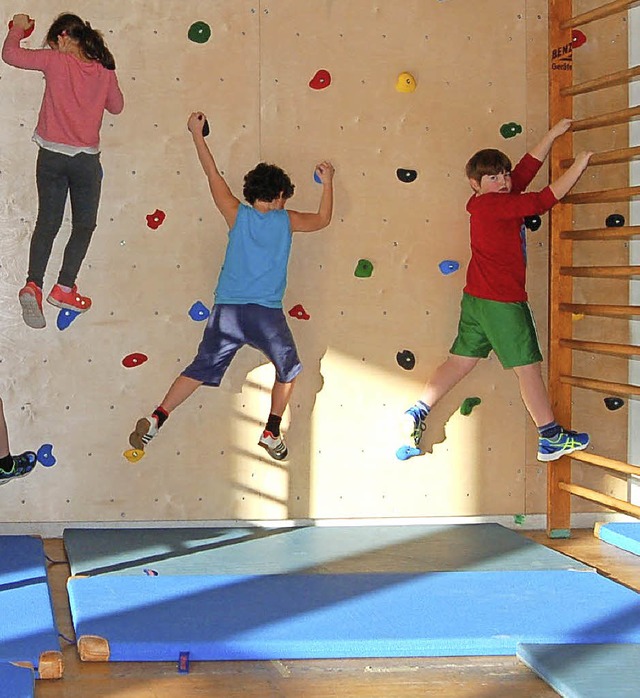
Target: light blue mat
[[622, 535], [16, 681], [298, 616], [325, 549], [27, 626], [586, 671]]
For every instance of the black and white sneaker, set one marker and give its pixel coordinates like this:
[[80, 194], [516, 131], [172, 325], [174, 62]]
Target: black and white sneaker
[[146, 429], [274, 445]]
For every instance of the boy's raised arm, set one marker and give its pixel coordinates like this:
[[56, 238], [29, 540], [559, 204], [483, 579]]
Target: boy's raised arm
[[561, 186], [541, 150], [223, 197], [309, 222]]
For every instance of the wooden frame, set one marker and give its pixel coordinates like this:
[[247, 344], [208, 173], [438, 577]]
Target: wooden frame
[[562, 271]]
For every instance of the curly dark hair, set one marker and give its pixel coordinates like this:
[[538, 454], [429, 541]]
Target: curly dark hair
[[487, 162], [89, 39], [265, 183]]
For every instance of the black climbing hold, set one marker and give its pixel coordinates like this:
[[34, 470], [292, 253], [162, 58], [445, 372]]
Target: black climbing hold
[[406, 359], [199, 32], [615, 220], [406, 175], [613, 403], [532, 222]]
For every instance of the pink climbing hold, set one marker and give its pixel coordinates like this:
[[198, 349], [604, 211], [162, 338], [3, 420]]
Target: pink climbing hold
[[320, 80]]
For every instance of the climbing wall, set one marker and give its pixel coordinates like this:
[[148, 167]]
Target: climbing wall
[[398, 98]]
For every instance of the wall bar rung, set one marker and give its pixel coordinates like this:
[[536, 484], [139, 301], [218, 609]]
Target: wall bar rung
[[601, 197], [611, 80], [604, 499], [624, 311], [608, 463], [619, 233], [611, 8], [621, 389], [621, 116], [628, 350], [609, 157], [601, 272]]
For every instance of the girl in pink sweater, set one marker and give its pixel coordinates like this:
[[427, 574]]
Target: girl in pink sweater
[[80, 83]]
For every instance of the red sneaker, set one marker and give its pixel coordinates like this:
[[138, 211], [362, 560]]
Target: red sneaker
[[30, 298], [70, 300]]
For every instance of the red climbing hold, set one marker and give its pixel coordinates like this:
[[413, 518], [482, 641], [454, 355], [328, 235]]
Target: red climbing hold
[[133, 360], [578, 38], [320, 80], [156, 219], [299, 312]]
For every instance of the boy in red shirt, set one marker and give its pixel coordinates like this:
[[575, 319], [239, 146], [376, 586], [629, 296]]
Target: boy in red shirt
[[494, 311]]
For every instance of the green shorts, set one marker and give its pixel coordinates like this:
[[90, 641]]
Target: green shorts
[[507, 328]]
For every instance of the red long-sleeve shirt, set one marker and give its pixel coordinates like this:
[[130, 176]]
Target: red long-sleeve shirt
[[497, 270], [75, 96]]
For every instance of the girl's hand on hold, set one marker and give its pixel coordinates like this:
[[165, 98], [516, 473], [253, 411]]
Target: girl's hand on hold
[[23, 22]]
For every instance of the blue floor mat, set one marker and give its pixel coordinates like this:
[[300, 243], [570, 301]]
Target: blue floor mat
[[586, 671], [27, 628], [293, 616], [16, 681], [415, 548], [623, 535]]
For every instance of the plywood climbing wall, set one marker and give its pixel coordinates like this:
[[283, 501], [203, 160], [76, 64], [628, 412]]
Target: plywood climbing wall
[[399, 218]]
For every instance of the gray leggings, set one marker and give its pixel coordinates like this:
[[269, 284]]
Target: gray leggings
[[57, 175]]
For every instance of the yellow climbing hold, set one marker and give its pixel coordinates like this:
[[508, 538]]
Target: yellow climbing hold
[[406, 83], [133, 455], [576, 317]]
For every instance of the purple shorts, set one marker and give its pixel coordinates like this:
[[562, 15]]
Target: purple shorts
[[232, 326]]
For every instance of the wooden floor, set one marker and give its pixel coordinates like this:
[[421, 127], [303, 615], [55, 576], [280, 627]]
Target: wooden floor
[[448, 677]]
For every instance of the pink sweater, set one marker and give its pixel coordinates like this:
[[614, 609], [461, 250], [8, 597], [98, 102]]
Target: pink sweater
[[75, 95]]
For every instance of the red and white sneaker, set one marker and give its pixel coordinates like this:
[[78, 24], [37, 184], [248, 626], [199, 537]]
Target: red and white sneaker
[[274, 445], [30, 298], [69, 300]]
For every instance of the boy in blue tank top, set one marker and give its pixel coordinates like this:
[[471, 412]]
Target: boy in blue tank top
[[251, 284]]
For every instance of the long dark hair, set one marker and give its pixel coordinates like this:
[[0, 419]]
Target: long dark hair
[[89, 39]]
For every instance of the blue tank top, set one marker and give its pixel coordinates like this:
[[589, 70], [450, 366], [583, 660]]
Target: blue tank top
[[255, 263]]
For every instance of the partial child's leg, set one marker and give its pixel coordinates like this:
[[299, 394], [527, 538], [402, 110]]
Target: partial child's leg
[[147, 427], [12, 466], [53, 186], [85, 182], [271, 438], [553, 440], [445, 377]]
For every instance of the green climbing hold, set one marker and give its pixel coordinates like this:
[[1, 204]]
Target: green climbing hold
[[468, 404], [200, 32], [364, 269], [518, 519]]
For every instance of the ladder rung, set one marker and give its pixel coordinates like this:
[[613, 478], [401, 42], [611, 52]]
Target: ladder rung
[[603, 499], [609, 387], [625, 311], [621, 116], [618, 78], [601, 272], [605, 196], [619, 233], [628, 350], [611, 8], [609, 157], [603, 462]]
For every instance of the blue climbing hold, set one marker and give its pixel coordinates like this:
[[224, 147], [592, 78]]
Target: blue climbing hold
[[406, 452], [316, 177], [448, 266], [65, 318], [45, 455], [199, 311]]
